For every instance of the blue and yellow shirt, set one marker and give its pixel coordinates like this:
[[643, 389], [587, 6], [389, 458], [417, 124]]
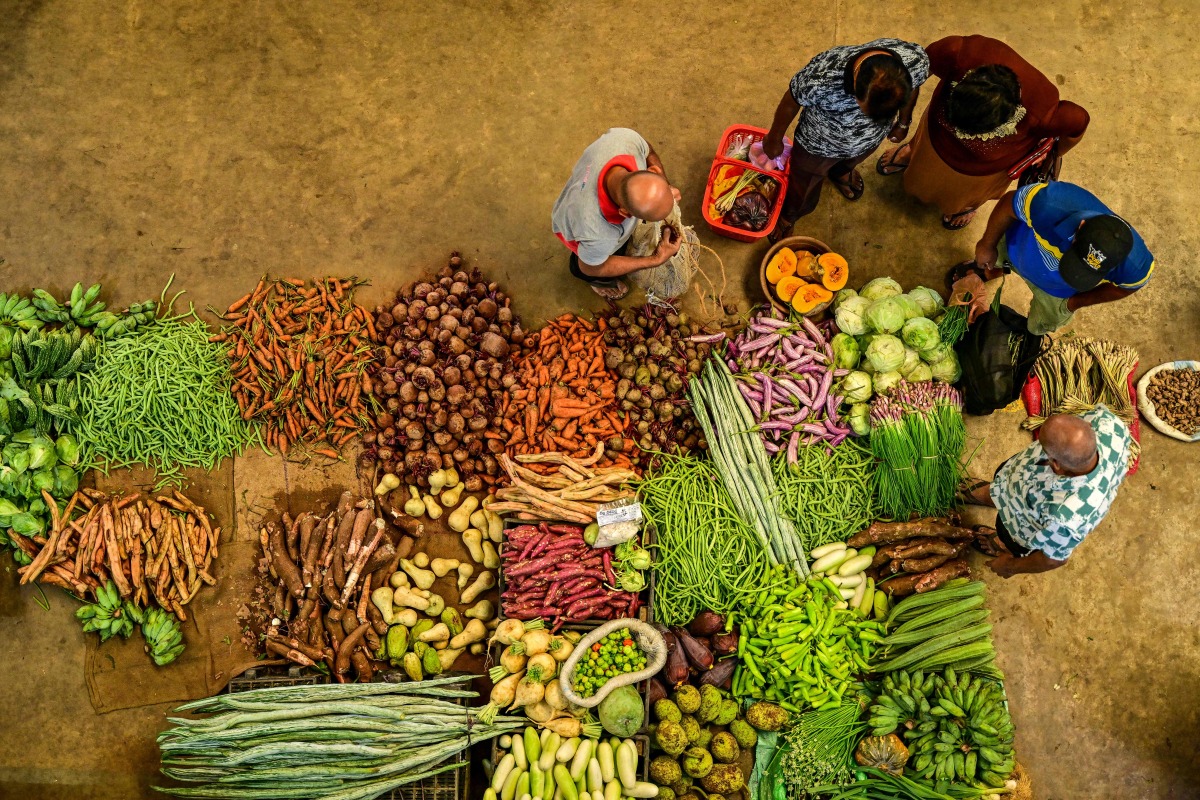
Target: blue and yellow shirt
[[1048, 215]]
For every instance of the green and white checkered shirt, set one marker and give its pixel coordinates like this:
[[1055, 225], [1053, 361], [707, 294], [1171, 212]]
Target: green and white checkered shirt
[[1052, 513]]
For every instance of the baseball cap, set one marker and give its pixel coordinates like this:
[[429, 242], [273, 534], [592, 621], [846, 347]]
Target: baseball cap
[[1101, 245]]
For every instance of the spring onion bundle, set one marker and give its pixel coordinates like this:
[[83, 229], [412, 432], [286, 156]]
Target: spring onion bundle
[[818, 749], [741, 461], [349, 741], [917, 435], [953, 324], [706, 558], [828, 494]]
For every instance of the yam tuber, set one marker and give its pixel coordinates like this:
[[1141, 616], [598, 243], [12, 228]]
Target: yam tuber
[[485, 581]]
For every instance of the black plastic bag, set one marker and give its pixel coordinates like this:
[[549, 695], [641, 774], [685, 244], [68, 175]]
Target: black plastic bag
[[996, 354]]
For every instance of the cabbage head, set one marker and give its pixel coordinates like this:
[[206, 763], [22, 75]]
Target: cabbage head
[[928, 299], [883, 382], [67, 448], [8, 508], [936, 353], [886, 353], [885, 316], [845, 351], [910, 307], [911, 359], [66, 481], [849, 317], [920, 333], [919, 374], [856, 387], [880, 288], [947, 370], [859, 419], [842, 296], [42, 454]]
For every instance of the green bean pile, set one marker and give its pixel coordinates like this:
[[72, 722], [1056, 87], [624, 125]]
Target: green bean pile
[[160, 397], [706, 557], [828, 495]]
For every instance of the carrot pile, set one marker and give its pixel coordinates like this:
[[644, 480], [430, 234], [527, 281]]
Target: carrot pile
[[564, 397], [160, 548], [299, 353]]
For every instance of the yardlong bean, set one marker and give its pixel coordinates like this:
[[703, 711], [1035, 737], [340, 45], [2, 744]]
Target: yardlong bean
[[828, 493]]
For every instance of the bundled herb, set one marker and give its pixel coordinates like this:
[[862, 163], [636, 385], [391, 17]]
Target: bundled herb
[[344, 741], [917, 435], [953, 324], [827, 494], [706, 557], [1080, 373], [741, 461], [818, 750], [161, 397], [879, 785]]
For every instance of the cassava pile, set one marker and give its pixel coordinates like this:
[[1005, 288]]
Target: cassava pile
[[572, 492], [321, 570], [655, 352], [298, 353], [564, 398], [158, 549], [917, 556], [446, 360]]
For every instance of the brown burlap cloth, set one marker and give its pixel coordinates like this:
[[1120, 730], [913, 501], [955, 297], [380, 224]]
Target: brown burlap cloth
[[238, 497]]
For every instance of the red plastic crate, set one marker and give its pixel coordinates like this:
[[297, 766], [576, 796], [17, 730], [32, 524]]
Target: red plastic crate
[[757, 133], [729, 231], [1031, 396]]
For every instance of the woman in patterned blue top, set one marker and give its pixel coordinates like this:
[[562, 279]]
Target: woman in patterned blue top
[[849, 98]]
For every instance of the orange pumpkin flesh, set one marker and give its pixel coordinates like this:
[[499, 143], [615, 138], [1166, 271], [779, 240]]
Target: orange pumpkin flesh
[[788, 286], [811, 298], [781, 265], [805, 262]]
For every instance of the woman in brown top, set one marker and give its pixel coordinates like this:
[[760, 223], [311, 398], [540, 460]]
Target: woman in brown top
[[989, 111]]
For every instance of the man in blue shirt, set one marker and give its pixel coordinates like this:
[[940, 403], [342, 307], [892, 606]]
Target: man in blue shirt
[[1068, 246]]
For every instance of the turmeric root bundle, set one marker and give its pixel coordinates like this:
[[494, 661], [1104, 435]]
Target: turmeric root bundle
[[151, 548]]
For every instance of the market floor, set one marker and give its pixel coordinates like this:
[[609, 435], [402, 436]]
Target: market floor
[[221, 141]]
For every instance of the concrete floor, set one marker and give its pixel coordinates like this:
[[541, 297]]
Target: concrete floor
[[220, 141]]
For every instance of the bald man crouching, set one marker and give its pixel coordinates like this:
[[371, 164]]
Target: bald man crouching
[[1055, 492], [618, 181]]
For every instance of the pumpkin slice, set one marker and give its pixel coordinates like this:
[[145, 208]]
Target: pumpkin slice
[[806, 262], [788, 286], [781, 265], [811, 298], [834, 271]]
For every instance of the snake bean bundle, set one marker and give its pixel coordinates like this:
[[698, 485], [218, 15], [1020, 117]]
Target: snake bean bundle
[[827, 494]]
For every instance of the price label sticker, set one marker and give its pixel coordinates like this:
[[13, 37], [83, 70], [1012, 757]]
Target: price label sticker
[[620, 511]]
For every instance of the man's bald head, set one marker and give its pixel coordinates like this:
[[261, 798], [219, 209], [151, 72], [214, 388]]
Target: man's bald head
[[1069, 441], [647, 195]]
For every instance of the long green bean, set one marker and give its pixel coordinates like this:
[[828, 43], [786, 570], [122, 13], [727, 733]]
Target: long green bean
[[827, 494], [161, 397]]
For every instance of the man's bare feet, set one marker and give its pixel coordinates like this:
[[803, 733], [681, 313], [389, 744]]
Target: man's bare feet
[[612, 292]]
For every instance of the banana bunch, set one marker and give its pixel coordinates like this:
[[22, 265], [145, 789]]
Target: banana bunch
[[164, 640], [109, 615], [18, 311], [957, 727], [111, 326], [81, 309]]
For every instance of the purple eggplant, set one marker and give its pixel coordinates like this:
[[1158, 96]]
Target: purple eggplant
[[700, 657]]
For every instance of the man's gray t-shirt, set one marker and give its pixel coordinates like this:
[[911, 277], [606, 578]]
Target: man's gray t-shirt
[[584, 218]]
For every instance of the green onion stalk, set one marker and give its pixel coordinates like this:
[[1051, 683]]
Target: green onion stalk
[[818, 749]]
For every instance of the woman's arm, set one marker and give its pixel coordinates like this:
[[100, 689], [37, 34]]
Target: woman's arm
[[785, 112]]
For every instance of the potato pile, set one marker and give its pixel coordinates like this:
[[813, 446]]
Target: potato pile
[[447, 354], [1176, 397], [654, 353]]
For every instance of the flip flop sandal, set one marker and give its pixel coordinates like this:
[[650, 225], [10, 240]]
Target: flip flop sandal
[[848, 189], [621, 288], [956, 222], [891, 167], [989, 545], [966, 494], [960, 271]]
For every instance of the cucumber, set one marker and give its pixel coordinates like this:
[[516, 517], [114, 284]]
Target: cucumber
[[854, 565], [825, 549]]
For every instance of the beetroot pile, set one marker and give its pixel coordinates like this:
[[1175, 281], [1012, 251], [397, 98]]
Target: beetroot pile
[[552, 573], [448, 349]]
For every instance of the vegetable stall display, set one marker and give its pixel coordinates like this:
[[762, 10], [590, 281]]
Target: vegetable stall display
[[1077, 374], [444, 362], [298, 353], [566, 489], [828, 494]]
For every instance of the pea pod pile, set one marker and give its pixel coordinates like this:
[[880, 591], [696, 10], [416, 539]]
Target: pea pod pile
[[801, 643]]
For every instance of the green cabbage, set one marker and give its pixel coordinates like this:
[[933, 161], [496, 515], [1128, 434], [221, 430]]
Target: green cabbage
[[920, 333], [886, 353], [929, 300], [856, 387], [42, 454], [8, 508], [885, 316], [15, 456], [845, 351], [880, 288], [911, 359], [66, 481], [910, 307], [842, 296], [883, 382], [859, 419], [936, 353], [67, 449], [947, 370], [26, 524], [920, 373], [43, 479], [849, 317]]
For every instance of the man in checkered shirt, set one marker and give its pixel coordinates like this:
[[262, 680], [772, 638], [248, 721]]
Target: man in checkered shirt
[[1055, 492]]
